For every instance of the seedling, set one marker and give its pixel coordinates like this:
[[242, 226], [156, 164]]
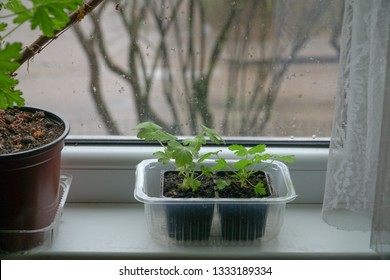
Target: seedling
[[185, 153], [245, 167]]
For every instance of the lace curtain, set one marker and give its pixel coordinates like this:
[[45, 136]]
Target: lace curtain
[[357, 192]]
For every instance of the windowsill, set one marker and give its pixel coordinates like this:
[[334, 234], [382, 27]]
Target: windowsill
[[101, 218], [105, 230]]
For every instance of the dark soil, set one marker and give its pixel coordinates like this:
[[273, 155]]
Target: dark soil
[[172, 180], [236, 191], [21, 131], [207, 188]]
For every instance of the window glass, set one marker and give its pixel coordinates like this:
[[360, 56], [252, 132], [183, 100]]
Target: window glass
[[244, 67]]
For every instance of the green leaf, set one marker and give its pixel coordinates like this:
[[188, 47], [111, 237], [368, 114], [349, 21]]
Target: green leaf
[[8, 64], [259, 158], [153, 132], [3, 26], [163, 157], [239, 150], [148, 126], [288, 158], [8, 96], [208, 155], [213, 135], [190, 183], [242, 163], [221, 164], [257, 149], [9, 57], [260, 189], [183, 155], [195, 142], [207, 171], [51, 15], [17, 7], [221, 184]]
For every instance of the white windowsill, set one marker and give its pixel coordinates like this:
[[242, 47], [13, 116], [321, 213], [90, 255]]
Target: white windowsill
[[101, 218], [120, 231]]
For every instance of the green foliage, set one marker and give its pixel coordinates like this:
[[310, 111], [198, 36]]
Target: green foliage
[[49, 16], [3, 26], [246, 166], [185, 153], [10, 53]]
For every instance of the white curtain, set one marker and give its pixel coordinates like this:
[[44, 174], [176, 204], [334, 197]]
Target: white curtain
[[357, 192]]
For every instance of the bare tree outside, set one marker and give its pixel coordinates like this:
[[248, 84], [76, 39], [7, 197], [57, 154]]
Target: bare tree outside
[[244, 67]]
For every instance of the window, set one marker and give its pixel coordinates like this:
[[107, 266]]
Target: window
[[247, 68], [251, 69]]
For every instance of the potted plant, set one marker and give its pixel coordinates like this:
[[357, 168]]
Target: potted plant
[[31, 139], [245, 191], [30, 159], [245, 178], [183, 179]]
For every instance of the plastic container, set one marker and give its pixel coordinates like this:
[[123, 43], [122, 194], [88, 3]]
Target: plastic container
[[24, 242], [233, 221]]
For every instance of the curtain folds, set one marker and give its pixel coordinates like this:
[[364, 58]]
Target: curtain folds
[[357, 191]]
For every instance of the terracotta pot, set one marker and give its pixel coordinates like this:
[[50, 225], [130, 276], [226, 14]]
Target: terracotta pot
[[29, 189]]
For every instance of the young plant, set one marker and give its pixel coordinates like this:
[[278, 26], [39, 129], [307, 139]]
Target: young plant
[[245, 167], [185, 153]]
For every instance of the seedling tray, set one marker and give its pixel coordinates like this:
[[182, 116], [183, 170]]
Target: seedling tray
[[265, 220]]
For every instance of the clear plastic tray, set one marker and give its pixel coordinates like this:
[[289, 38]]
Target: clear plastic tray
[[38, 239], [212, 221]]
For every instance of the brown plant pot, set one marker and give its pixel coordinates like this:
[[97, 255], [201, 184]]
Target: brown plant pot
[[29, 190]]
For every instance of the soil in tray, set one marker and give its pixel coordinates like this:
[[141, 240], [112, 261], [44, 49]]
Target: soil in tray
[[243, 221], [172, 179], [234, 190], [188, 222]]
